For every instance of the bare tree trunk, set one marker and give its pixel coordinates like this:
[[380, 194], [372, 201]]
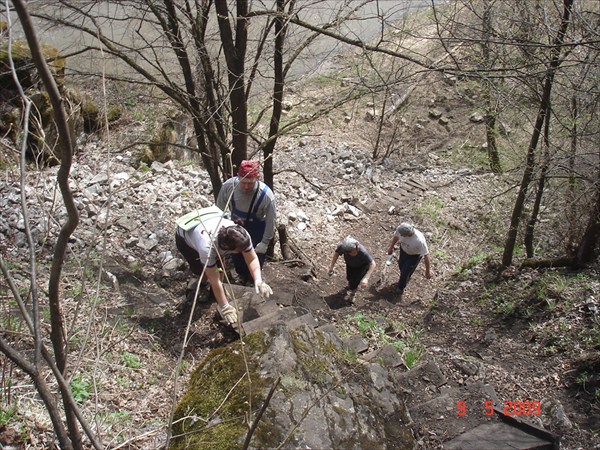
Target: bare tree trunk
[[42, 389], [490, 133], [572, 211], [589, 242], [529, 231], [380, 124], [234, 50], [208, 154], [65, 148], [490, 109], [278, 85], [555, 62]]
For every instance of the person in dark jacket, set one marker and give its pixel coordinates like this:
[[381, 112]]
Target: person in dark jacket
[[359, 264]]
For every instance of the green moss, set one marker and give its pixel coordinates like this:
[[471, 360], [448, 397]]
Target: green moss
[[21, 55], [113, 112], [90, 113], [208, 415], [315, 369], [292, 383], [266, 435]]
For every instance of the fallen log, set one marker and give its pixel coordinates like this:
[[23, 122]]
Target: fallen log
[[564, 261]]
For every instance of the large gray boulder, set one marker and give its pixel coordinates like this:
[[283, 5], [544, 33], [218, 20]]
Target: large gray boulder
[[325, 398]]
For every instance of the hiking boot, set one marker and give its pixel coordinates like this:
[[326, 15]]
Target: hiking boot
[[352, 296], [192, 284], [343, 291]]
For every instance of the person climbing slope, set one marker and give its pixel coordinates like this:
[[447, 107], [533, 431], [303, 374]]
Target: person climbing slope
[[359, 264], [413, 248], [252, 206]]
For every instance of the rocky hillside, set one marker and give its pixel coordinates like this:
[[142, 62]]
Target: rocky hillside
[[529, 335]]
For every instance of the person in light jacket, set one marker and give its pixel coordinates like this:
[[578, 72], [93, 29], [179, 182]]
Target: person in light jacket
[[206, 245], [252, 205]]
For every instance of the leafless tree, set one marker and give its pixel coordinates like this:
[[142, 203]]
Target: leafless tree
[[518, 53], [34, 358]]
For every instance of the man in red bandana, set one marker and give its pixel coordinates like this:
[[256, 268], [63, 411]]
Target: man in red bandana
[[252, 205]]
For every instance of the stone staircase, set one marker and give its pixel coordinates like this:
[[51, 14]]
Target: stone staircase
[[431, 402]]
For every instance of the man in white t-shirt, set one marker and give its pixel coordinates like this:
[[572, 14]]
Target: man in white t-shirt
[[413, 248]]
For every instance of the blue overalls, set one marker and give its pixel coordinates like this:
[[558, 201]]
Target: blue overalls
[[255, 227]]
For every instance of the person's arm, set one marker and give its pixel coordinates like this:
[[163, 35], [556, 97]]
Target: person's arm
[[427, 262], [214, 278], [253, 264], [365, 280], [333, 261], [270, 218], [392, 244]]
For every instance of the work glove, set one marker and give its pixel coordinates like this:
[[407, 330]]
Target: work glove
[[388, 260], [263, 289], [228, 313], [261, 248]]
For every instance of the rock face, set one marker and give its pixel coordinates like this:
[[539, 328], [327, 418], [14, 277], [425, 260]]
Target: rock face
[[324, 398]]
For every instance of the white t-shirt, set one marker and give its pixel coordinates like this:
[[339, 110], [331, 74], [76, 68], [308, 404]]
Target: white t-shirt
[[202, 239], [413, 245]]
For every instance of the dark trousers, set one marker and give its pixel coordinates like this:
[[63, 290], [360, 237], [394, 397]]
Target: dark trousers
[[407, 265], [355, 274], [240, 265], [256, 230], [191, 256]]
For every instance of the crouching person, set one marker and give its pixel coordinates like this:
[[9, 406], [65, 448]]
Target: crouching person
[[359, 264], [205, 247]]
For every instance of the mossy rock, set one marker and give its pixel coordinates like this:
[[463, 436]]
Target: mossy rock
[[91, 115], [10, 122], [320, 402], [113, 112], [161, 147], [209, 415], [26, 71]]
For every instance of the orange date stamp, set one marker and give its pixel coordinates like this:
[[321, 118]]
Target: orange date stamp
[[513, 409]]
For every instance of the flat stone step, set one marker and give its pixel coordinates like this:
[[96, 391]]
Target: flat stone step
[[356, 343], [421, 383], [498, 436], [389, 356], [283, 315], [306, 319], [328, 328]]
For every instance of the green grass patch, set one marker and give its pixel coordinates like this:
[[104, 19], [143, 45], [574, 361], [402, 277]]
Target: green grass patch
[[431, 208], [7, 414], [131, 360], [550, 301], [471, 155], [378, 332], [81, 388]]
